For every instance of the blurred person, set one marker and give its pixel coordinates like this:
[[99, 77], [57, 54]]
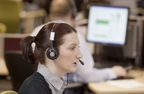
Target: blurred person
[[65, 11], [56, 53], [45, 4]]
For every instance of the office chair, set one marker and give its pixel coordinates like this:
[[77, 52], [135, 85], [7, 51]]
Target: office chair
[[8, 92], [9, 14], [18, 68], [2, 28]]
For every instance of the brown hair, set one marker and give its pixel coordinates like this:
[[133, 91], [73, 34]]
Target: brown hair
[[42, 41]]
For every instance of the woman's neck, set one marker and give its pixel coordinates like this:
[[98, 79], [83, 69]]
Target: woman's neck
[[55, 70]]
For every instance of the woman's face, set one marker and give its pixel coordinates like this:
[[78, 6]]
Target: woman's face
[[69, 53]]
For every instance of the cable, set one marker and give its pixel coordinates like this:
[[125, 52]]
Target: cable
[[67, 79], [66, 83]]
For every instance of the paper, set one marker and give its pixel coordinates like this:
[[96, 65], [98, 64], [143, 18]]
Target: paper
[[126, 83]]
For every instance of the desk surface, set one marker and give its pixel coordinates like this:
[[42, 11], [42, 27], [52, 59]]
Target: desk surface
[[3, 68], [105, 88], [32, 18], [33, 14]]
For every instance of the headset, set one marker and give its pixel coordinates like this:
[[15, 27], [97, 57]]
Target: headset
[[52, 52]]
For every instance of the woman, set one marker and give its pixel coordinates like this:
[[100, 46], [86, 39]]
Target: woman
[[55, 55]]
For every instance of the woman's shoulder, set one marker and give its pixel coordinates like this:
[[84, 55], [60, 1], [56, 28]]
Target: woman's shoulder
[[35, 84], [36, 79]]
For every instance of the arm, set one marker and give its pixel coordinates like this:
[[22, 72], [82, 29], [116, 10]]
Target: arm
[[39, 89], [87, 72]]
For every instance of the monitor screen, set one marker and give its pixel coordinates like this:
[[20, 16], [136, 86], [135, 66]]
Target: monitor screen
[[107, 24]]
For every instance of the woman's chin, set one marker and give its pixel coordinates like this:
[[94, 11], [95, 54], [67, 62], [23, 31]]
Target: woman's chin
[[72, 70]]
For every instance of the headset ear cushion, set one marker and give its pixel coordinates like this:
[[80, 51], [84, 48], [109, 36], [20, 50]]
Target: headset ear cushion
[[52, 53]]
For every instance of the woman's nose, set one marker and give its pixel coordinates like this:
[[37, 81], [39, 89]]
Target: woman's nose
[[79, 55]]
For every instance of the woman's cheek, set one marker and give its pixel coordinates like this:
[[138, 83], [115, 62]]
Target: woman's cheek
[[67, 56]]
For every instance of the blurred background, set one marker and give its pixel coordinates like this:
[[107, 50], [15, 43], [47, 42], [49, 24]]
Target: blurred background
[[18, 18]]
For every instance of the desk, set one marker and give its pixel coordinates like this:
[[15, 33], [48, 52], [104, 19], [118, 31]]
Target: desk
[[3, 68], [29, 18], [105, 88]]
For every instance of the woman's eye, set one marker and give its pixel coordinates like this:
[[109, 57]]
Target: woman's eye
[[72, 48]]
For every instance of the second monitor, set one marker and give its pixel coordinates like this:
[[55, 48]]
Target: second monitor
[[107, 24]]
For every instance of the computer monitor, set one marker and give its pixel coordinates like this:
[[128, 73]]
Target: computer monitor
[[107, 24]]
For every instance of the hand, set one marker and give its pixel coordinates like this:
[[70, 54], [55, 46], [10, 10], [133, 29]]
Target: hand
[[119, 71]]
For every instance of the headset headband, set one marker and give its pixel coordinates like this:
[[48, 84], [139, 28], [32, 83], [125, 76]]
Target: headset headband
[[52, 34]]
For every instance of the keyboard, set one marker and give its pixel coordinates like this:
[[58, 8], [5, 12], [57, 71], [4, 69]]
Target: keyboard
[[108, 64], [120, 78]]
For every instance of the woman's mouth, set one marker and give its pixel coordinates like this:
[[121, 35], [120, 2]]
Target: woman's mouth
[[75, 64]]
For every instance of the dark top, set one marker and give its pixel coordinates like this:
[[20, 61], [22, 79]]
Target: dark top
[[35, 84]]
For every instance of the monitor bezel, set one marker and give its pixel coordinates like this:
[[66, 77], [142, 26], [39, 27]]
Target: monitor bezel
[[109, 44]]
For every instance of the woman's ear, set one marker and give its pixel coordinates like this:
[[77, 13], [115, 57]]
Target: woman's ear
[[46, 53]]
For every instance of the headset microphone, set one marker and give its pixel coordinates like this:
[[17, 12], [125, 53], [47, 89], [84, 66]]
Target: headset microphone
[[81, 62]]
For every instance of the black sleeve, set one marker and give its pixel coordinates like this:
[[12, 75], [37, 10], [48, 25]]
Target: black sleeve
[[35, 87], [35, 84], [39, 88]]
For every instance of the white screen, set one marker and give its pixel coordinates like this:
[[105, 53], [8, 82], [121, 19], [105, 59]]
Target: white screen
[[107, 24]]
